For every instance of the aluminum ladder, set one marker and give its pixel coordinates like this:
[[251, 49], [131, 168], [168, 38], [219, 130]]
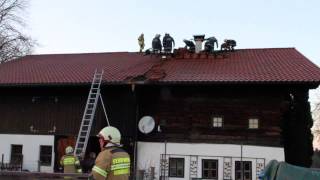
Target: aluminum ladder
[[88, 115]]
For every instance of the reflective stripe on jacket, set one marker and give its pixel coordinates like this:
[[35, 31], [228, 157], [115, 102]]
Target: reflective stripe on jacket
[[112, 163], [70, 163]]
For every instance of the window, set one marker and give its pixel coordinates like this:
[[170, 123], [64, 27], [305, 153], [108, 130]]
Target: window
[[16, 154], [217, 122], [244, 173], [209, 169], [253, 123], [176, 167], [45, 155]]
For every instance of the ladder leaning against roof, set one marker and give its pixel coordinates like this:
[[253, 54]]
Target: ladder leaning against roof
[[88, 115]]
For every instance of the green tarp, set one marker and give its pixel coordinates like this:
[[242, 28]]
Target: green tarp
[[283, 171]]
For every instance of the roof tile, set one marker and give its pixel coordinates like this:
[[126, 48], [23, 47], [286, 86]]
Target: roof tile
[[281, 65]]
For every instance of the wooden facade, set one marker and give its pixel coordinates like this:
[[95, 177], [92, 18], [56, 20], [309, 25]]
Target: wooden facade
[[184, 113], [59, 110]]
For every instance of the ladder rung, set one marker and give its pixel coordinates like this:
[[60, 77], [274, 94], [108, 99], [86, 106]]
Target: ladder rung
[[86, 123]]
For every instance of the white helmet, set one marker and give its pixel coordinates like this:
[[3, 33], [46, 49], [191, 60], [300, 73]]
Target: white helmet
[[111, 134], [69, 150]]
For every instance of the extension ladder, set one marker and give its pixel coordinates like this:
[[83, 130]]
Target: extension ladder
[[88, 115]]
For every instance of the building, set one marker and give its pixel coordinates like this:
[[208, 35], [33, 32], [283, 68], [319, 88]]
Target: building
[[213, 113]]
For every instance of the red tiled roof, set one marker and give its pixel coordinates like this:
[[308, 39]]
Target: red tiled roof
[[274, 65]]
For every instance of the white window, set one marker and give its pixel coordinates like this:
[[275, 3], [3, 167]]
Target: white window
[[253, 123], [217, 121], [209, 169], [176, 167]]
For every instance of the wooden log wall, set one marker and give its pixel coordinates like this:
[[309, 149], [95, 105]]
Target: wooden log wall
[[185, 114]]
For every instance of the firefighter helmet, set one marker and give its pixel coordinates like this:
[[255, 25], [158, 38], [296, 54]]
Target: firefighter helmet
[[111, 134], [69, 150]]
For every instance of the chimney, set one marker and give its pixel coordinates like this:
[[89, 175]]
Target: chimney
[[198, 39]]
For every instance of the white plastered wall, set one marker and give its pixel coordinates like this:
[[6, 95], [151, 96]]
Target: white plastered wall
[[149, 155], [30, 150]]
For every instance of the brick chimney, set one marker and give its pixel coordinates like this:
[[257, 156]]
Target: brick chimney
[[198, 39]]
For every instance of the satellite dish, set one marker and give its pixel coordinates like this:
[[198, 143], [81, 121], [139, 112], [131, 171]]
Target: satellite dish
[[146, 124]]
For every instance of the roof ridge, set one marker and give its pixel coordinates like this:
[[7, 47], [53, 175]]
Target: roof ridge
[[127, 52]]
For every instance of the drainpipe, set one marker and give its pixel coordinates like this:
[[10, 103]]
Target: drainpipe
[[242, 172], [2, 157], [135, 107]]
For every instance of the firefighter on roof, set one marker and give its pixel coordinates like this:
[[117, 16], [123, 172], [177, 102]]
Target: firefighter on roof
[[168, 43], [112, 163], [141, 42]]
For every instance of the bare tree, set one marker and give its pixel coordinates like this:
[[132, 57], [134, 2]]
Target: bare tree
[[13, 42]]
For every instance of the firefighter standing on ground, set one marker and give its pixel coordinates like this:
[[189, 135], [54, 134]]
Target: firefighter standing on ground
[[69, 162], [112, 163]]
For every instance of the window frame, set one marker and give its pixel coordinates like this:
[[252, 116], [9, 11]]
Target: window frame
[[218, 123], [252, 125], [208, 169], [45, 155], [14, 156], [243, 163], [176, 167]]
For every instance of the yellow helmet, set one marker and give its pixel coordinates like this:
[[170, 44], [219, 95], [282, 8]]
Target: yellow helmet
[[111, 134], [69, 150]]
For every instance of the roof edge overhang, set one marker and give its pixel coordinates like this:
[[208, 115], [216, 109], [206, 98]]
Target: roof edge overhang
[[310, 84]]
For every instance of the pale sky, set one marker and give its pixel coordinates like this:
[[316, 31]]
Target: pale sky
[[77, 26]]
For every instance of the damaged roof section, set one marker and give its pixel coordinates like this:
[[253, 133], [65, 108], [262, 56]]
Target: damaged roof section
[[272, 65]]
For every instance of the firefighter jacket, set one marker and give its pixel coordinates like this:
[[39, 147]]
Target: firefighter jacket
[[112, 163], [70, 163]]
